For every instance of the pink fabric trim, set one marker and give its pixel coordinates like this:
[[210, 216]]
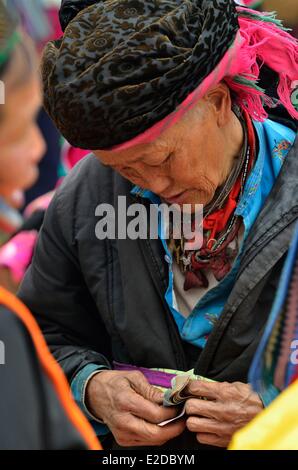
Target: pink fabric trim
[[17, 253], [249, 3], [72, 155]]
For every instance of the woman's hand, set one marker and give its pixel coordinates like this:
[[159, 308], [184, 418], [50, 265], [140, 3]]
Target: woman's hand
[[131, 408], [229, 407]]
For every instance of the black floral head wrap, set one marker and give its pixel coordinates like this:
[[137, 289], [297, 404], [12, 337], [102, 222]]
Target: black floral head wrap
[[126, 70], [124, 65]]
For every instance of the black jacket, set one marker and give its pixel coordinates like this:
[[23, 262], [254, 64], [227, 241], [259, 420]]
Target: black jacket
[[32, 417], [98, 301]]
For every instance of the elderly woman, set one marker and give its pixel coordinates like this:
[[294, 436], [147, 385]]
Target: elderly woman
[[173, 98]]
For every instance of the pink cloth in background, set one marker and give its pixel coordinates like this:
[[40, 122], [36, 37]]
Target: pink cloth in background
[[17, 253], [41, 203], [72, 155], [249, 3], [53, 15]]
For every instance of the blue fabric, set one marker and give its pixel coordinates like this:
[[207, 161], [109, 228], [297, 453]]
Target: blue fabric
[[267, 396], [275, 140], [77, 389]]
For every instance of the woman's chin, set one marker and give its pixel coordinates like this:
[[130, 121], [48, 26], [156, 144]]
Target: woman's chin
[[29, 178], [195, 201]]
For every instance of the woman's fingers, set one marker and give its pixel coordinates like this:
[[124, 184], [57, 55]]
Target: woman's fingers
[[212, 426], [200, 388], [213, 440], [208, 409], [130, 407], [140, 384], [137, 405], [132, 429], [233, 405]]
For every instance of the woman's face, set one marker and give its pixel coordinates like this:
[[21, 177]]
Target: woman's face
[[190, 160], [21, 143]]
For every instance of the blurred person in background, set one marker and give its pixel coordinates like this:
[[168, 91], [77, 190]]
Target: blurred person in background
[[36, 409], [40, 19]]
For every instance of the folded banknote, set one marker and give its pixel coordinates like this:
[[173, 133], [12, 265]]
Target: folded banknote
[[177, 394]]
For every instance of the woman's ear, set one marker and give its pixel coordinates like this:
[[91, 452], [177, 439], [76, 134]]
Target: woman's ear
[[219, 98]]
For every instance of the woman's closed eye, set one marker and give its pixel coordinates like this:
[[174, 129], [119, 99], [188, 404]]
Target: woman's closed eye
[[162, 163], [131, 174], [136, 176]]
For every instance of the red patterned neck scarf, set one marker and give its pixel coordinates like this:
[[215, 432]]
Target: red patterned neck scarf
[[220, 228]]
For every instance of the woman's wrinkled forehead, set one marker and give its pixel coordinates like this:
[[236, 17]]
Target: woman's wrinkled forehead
[[136, 154], [168, 141]]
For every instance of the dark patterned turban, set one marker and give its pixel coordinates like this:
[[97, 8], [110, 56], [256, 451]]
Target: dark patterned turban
[[124, 65], [125, 70]]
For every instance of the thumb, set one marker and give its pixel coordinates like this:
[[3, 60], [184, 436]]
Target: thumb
[[141, 386]]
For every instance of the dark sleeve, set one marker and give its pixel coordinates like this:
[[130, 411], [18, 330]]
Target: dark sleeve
[[70, 8], [55, 292], [31, 415], [34, 222]]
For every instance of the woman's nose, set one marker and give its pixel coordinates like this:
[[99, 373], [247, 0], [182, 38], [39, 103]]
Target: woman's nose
[[159, 184]]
